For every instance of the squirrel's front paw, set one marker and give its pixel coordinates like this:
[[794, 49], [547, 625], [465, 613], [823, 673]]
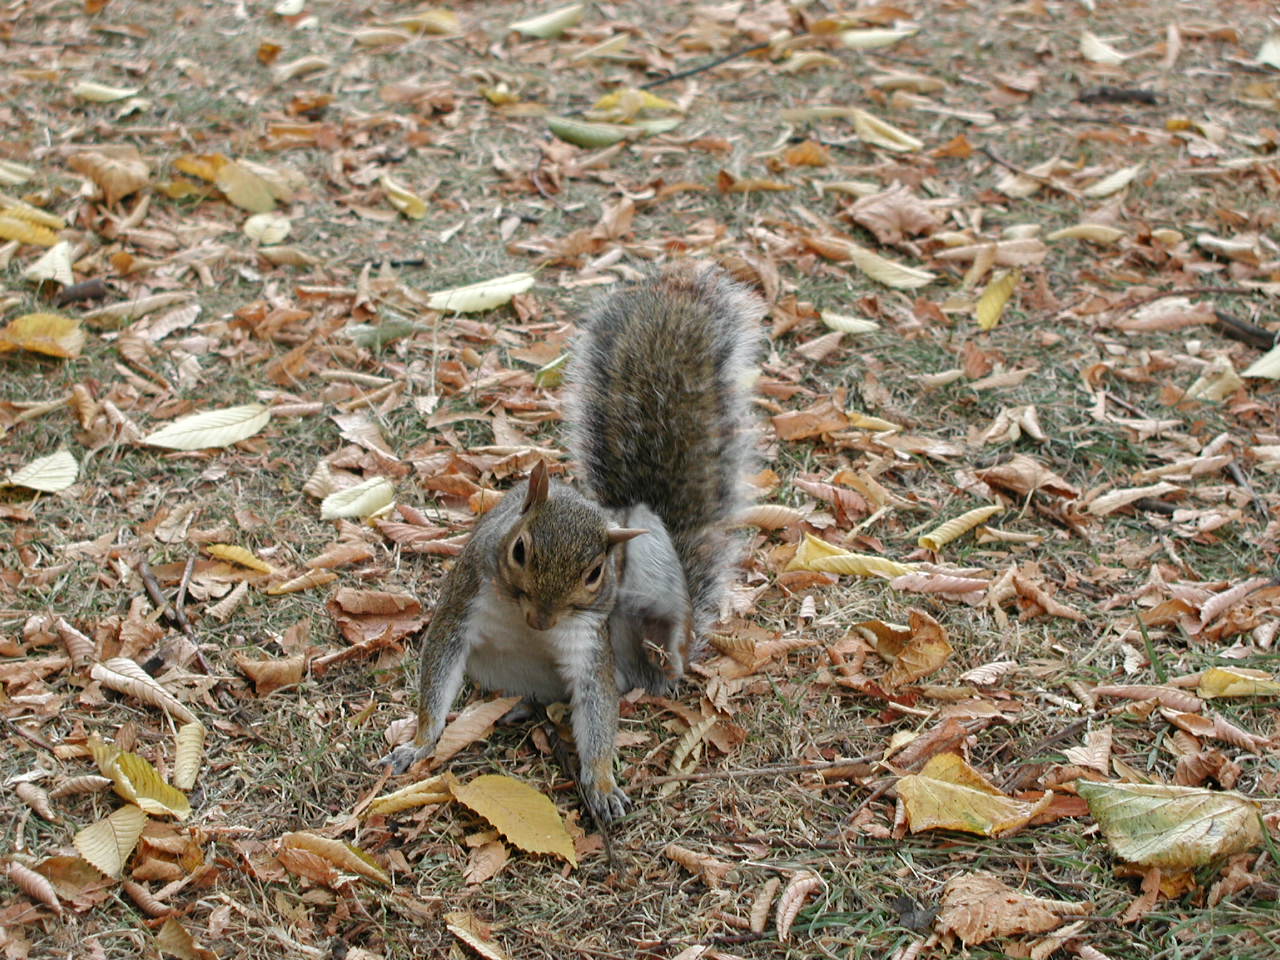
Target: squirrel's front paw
[[606, 805], [403, 757]]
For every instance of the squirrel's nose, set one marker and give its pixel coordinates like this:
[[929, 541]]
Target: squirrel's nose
[[539, 619]]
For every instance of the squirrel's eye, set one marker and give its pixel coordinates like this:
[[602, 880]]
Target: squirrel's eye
[[593, 575], [519, 551]]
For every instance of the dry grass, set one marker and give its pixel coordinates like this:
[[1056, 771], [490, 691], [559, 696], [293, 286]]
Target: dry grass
[[299, 758]]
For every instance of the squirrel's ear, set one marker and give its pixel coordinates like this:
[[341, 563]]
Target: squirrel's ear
[[623, 534], [538, 486]]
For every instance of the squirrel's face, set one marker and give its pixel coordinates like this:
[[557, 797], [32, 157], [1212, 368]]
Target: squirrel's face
[[556, 569]]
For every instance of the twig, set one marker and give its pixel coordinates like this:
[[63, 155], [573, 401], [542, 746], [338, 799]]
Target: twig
[[1046, 181], [710, 65], [1241, 480], [171, 612], [1244, 331], [781, 770]]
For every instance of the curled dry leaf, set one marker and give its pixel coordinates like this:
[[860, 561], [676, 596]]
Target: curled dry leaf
[[760, 904], [994, 298], [936, 538], [817, 554], [54, 265], [978, 907], [548, 26], [117, 170], [306, 581], [344, 856], [125, 676], [34, 885], [798, 889], [486, 861], [948, 794], [174, 938], [89, 783], [138, 782], [270, 675], [770, 516], [710, 869], [35, 797], [238, 555], [476, 934], [188, 754], [145, 900], [368, 498], [418, 794], [484, 295]]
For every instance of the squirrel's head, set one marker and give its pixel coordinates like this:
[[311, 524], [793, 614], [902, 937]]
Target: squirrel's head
[[561, 556]]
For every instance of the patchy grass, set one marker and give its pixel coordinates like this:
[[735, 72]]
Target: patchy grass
[[503, 197]]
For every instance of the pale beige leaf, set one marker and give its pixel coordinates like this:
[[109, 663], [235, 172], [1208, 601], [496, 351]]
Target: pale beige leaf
[[117, 170], [89, 783], [34, 885], [520, 813], [54, 265], [1113, 183], [1169, 313], [1217, 382], [770, 516], [312, 63], [847, 324], [876, 131], [245, 188], [548, 26], [1096, 751], [798, 888], [760, 904], [108, 843], [1108, 503], [1099, 51], [188, 754], [132, 309], [988, 673], [344, 856], [366, 499], [1093, 232], [35, 797], [213, 428], [96, 92], [873, 37], [125, 676], [47, 474], [1173, 827], [13, 174], [267, 228], [1269, 52], [484, 295], [889, 272], [418, 794], [473, 723], [1268, 365]]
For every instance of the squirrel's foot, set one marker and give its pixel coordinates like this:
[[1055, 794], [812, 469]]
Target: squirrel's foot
[[606, 805], [521, 712], [403, 757]]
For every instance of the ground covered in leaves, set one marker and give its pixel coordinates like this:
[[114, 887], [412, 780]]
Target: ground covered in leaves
[[1021, 264]]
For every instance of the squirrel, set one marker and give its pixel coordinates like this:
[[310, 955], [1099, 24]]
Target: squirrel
[[584, 594]]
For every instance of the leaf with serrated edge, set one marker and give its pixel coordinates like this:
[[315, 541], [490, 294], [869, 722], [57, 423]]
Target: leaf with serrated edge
[[108, 843], [520, 813], [188, 754], [1181, 828], [889, 272], [214, 428], [48, 474], [125, 676], [365, 499], [480, 296], [948, 794], [343, 855], [474, 723], [139, 782], [49, 333]]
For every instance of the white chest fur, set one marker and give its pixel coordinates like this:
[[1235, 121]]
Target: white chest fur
[[505, 654]]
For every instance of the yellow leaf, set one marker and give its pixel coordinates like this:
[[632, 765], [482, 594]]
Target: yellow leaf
[[202, 165], [520, 813], [404, 199], [137, 781], [550, 25], [215, 428], [431, 790], [244, 188], [1237, 682], [994, 298], [484, 295], [640, 100], [433, 20], [955, 527], [188, 754], [345, 856], [13, 174], [816, 554], [235, 554], [11, 207], [948, 794], [48, 333], [1267, 365], [14, 228], [48, 474], [108, 843], [365, 499], [583, 133], [1181, 828]]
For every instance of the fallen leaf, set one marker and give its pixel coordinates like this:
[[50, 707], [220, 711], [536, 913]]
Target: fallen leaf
[[520, 813]]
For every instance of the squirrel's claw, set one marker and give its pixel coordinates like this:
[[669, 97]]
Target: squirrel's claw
[[608, 806], [403, 757]]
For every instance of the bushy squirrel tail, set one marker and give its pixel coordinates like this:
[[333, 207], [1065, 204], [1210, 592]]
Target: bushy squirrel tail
[[659, 412]]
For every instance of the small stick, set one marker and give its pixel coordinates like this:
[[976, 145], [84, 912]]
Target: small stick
[[1238, 476], [1026, 173], [1244, 331], [776, 771], [710, 65], [171, 612]]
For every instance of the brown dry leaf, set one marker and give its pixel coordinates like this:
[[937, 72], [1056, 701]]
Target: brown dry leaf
[[760, 904], [345, 856], [175, 939], [34, 885], [948, 794], [485, 862], [270, 675], [914, 653], [1022, 474], [823, 417], [118, 170], [1096, 752], [977, 907], [712, 870], [188, 754], [476, 934], [520, 813], [1169, 313], [895, 214], [47, 333], [474, 722]]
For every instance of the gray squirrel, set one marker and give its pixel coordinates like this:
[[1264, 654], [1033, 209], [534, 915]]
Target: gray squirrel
[[579, 595]]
